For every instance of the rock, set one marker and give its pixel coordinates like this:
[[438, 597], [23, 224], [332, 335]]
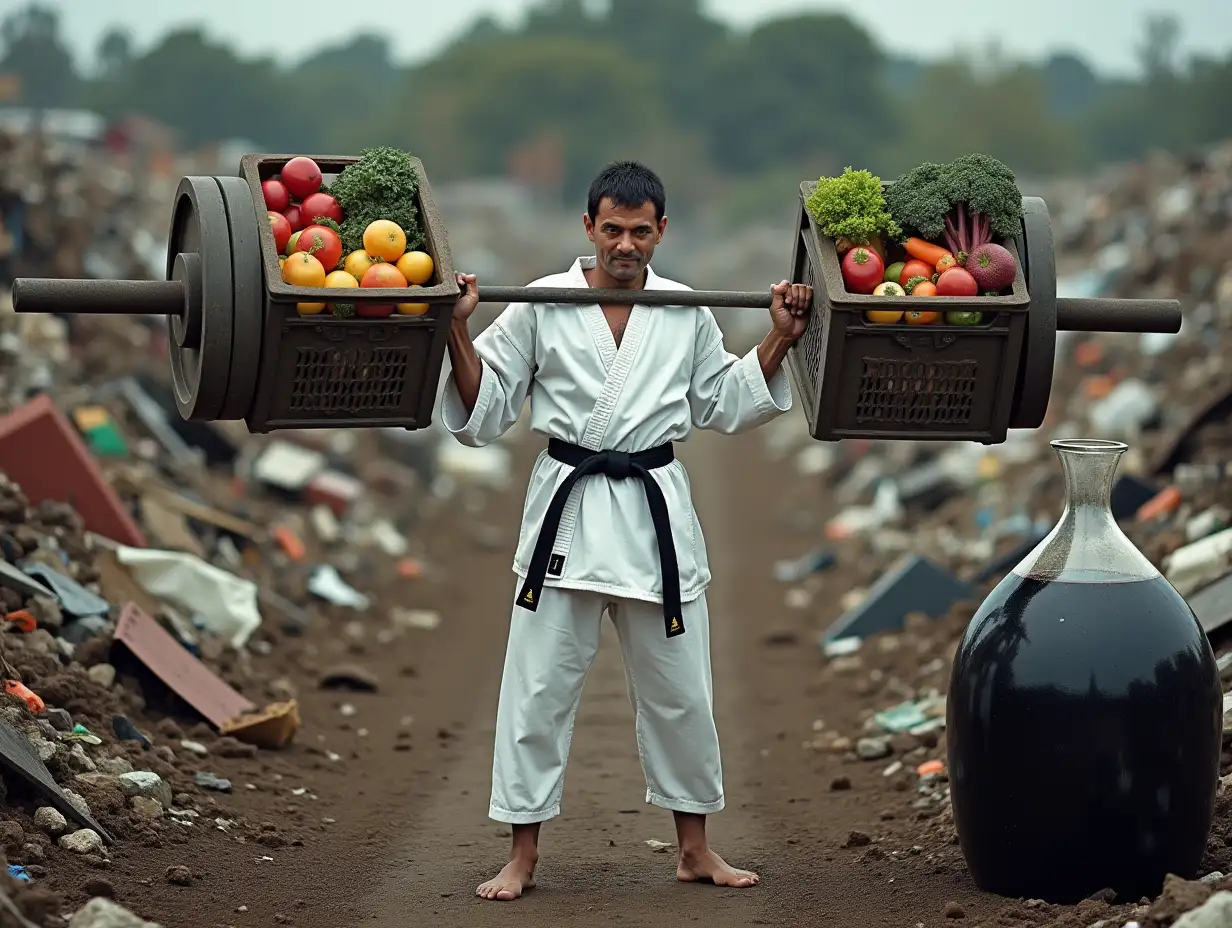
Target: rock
[[102, 674], [101, 780], [76, 800], [11, 837], [146, 808], [78, 760], [50, 821], [839, 783], [33, 853], [872, 748], [85, 841], [1216, 912], [42, 747], [231, 748], [114, 765], [195, 747], [857, 839], [179, 876], [46, 612], [211, 781], [953, 910], [145, 783], [349, 676], [101, 912], [60, 719]]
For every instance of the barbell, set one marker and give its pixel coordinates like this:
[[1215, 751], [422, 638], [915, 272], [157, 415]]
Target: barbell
[[239, 349]]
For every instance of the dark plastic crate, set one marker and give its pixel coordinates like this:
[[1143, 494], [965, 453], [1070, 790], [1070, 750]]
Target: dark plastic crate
[[322, 371], [933, 382]]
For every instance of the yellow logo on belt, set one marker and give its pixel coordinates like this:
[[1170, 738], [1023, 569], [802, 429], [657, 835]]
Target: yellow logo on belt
[[529, 597], [675, 625]]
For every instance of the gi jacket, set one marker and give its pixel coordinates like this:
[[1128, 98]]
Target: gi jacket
[[670, 374]]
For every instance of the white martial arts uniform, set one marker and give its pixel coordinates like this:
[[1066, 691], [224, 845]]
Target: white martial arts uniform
[[670, 373]]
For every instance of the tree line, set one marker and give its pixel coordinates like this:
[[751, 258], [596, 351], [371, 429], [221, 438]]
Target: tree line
[[571, 87]]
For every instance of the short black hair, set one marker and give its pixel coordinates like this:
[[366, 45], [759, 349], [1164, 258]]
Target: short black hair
[[628, 184]]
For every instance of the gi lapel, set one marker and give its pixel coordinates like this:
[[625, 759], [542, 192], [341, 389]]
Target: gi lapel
[[617, 363]]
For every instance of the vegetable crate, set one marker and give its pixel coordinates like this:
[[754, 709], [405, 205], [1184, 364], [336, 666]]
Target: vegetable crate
[[861, 379], [323, 371]]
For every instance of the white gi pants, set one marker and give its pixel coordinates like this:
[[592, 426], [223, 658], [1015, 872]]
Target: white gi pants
[[549, 654]]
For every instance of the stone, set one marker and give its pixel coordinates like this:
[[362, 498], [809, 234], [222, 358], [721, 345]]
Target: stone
[[1216, 912], [211, 781], [114, 765], [78, 760], [42, 747], [101, 912], [101, 780], [872, 748], [195, 747], [50, 821], [102, 674], [953, 910], [145, 783], [857, 839], [33, 853], [148, 809], [179, 876], [59, 719], [85, 841]]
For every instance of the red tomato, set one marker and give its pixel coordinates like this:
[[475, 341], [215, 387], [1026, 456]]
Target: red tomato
[[301, 176], [316, 205], [282, 229], [379, 275], [277, 198], [295, 217], [957, 281], [915, 268], [862, 270], [323, 243]]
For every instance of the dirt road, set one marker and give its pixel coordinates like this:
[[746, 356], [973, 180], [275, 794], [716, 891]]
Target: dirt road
[[379, 815]]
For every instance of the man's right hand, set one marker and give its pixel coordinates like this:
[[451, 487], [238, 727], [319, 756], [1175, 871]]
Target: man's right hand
[[468, 299]]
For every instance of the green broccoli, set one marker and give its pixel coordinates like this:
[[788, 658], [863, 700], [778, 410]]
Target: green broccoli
[[851, 206], [381, 185], [967, 202]]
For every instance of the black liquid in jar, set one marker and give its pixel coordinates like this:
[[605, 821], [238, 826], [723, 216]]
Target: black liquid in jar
[[1084, 723]]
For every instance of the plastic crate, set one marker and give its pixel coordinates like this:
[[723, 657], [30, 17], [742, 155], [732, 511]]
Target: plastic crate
[[860, 379], [323, 371]]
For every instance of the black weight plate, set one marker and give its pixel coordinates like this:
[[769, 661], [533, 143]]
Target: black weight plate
[[1039, 346], [249, 302], [199, 226]]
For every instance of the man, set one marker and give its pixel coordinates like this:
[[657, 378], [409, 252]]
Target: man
[[608, 525]]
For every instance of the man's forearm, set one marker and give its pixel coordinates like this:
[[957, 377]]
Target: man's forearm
[[771, 352], [467, 368]]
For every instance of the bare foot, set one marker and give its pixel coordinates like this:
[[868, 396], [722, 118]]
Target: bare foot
[[709, 867], [515, 877]]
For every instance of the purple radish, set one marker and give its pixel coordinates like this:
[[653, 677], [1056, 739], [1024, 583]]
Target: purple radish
[[992, 267]]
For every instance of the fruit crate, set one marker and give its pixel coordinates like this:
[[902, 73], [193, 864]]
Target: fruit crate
[[323, 371], [860, 379]]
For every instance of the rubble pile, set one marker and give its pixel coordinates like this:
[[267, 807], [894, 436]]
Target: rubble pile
[[908, 539]]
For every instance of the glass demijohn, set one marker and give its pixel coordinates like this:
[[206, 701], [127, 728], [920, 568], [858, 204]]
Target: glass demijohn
[[1084, 716]]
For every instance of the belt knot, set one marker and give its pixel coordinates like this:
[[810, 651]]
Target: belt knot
[[617, 465]]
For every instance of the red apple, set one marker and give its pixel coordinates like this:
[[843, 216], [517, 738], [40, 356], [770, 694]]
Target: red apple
[[277, 197], [316, 205]]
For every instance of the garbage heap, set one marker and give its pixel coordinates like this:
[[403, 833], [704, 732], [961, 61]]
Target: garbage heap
[[907, 539]]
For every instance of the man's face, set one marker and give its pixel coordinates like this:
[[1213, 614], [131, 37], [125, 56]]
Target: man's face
[[625, 237]]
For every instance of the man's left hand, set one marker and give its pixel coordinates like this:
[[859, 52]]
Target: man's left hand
[[789, 308]]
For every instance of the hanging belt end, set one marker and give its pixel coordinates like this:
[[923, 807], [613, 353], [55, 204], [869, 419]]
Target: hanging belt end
[[528, 599], [675, 627]]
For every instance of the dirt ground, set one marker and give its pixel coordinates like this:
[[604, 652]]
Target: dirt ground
[[378, 817]]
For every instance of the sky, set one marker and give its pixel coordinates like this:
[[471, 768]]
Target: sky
[[1105, 32]]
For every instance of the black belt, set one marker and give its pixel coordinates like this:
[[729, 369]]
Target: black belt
[[615, 465]]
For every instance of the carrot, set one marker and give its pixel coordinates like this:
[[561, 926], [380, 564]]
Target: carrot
[[925, 251]]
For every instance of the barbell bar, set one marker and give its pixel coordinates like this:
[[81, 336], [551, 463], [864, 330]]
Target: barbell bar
[[170, 297]]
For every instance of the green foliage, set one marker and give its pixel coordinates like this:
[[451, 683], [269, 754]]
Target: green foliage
[[851, 206], [381, 185], [917, 201], [576, 84], [989, 188]]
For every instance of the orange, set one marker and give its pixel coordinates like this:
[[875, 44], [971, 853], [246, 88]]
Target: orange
[[920, 317], [412, 309], [340, 279], [883, 316], [416, 267], [357, 263], [384, 239], [303, 270]]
